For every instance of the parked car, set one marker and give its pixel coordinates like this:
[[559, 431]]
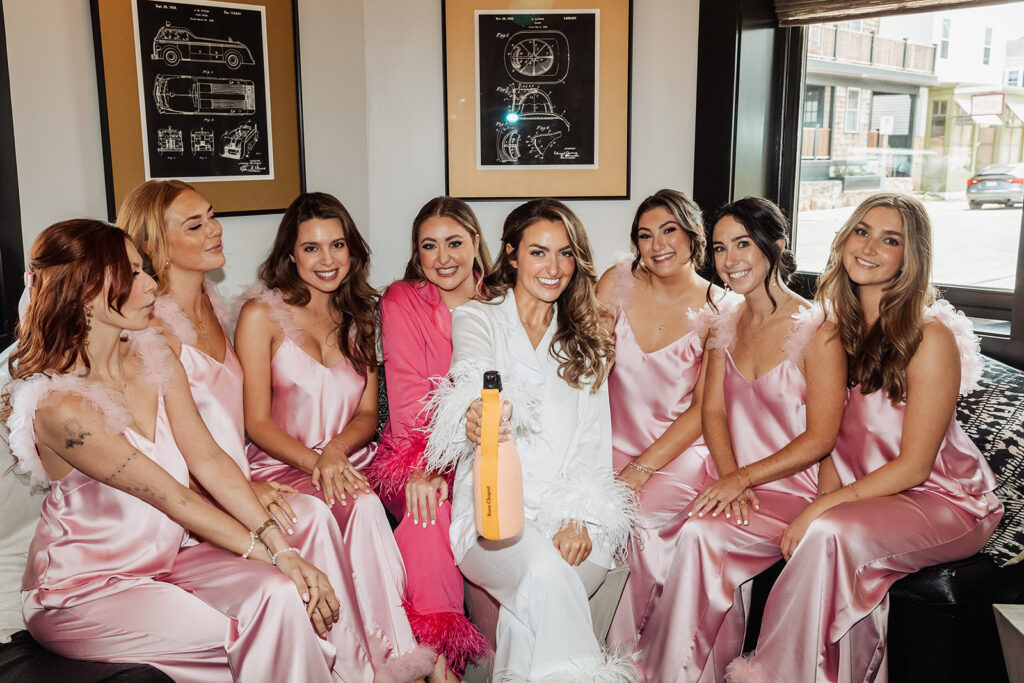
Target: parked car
[[175, 44], [998, 184], [204, 95]]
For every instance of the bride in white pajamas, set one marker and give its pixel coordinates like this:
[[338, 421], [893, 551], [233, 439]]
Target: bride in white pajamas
[[540, 327]]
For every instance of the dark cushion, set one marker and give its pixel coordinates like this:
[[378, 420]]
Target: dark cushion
[[973, 579], [23, 660], [993, 416]]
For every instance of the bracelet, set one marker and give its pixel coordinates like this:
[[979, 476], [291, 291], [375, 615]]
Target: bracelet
[[252, 546], [293, 549], [853, 491], [641, 468], [750, 480], [265, 527]]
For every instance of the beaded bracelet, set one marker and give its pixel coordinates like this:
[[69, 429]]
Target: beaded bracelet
[[265, 527], [293, 549], [640, 467], [750, 480], [252, 545]]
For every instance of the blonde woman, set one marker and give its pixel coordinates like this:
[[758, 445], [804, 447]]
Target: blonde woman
[[541, 327]]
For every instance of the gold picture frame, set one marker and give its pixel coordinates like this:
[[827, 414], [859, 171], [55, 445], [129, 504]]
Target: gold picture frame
[[537, 98], [182, 97]]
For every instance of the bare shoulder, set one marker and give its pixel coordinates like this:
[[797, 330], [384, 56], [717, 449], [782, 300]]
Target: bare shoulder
[[937, 350], [607, 283]]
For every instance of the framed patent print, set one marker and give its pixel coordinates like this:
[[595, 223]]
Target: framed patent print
[[203, 91], [537, 98]]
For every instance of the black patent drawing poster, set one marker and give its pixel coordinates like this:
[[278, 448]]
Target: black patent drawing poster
[[204, 90], [537, 76]]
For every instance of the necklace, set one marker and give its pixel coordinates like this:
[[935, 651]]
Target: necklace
[[200, 324], [124, 380]]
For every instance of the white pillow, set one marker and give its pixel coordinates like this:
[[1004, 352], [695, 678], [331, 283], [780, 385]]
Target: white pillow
[[19, 513]]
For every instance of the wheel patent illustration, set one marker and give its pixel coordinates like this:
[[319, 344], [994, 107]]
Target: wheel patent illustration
[[171, 56], [232, 59], [532, 56]]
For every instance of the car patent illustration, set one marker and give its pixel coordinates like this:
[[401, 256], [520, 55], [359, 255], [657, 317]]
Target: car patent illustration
[[174, 44], [204, 95], [168, 141], [238, 142]]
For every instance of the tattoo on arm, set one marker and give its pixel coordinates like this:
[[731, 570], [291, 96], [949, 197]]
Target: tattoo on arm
[[119, 470], [74, 435]]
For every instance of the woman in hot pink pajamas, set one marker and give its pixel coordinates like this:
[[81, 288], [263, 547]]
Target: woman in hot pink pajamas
[[448, 258], [905, 488]]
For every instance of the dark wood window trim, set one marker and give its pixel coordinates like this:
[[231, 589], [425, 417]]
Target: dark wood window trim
[[11, 247]]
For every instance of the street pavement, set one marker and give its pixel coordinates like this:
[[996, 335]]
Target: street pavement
[[971, 248]]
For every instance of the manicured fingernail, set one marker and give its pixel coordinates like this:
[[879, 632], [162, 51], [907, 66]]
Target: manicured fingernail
[[727, 515], [747, 523], [433, 522], [408, 514], [305, 597], [424, 525], [295, 520], [689, 514]]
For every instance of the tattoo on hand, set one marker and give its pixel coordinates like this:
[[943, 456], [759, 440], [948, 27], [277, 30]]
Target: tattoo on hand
[[74, 434], [120, 469]]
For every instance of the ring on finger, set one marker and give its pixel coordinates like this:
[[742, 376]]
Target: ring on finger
[[277, 499]]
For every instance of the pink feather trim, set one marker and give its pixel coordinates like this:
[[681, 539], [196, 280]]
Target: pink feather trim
[[622, 291], [157, 359], [723, 326], [450, 634], [175, 321], [396, 458], [417, 663], [26, 397], [279, 312], [967, 343], [806, 322], [220, 307], [746, 670]]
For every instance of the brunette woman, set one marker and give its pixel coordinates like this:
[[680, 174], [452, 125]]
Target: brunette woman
[[905, 488], [176, 230], [305, 339], [660, 330], [541, 328], [100, 411], [448, 259], [773, 395]]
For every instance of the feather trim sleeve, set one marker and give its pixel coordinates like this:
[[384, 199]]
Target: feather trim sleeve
[[967, 343], [174, 320], [447, 404], [279, 312], [26, 397], [593, 496], [806, 322], [723, 324], [397, 457], [156, 357], [622, 291]]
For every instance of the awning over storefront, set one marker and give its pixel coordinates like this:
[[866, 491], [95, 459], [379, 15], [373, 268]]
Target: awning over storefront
[[986, 120]]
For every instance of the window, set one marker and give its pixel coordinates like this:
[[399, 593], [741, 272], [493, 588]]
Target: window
[[986, 54], [944, 44], [851, 120], [938, 127], [814, 106], [1013, 78]]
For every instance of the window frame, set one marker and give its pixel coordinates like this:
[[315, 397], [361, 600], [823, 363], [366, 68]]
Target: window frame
[[856, 112], [947, 27], [12, 253]]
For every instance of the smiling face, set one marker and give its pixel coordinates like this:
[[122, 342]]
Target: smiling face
[[664, 247], [446, 251], [321, 253], [738, 261], [873, 251], [544, 261], [138, 307], [193, 234]]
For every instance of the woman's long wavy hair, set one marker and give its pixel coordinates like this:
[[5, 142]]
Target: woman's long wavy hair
[[142, 216], [353, 305], [583, 348], [684, 211], [878, 355], [460, 212], [72, 262], [766, 226]]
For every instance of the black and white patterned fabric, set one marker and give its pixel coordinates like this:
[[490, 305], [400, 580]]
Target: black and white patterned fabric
[[993, 416]]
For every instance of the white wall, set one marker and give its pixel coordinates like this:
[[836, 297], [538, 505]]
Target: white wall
[[405, 112], [373, 117]]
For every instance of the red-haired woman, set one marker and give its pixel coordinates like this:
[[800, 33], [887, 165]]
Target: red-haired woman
[[449, 256], [100, 411], [306, 341]]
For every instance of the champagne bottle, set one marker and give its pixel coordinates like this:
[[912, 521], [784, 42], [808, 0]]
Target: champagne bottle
[[497, 472]]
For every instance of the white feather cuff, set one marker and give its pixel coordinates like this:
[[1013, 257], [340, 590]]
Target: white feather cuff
[[448, 402], [595, 497]]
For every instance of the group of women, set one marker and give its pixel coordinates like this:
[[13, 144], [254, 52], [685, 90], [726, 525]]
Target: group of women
[[195, 484]]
